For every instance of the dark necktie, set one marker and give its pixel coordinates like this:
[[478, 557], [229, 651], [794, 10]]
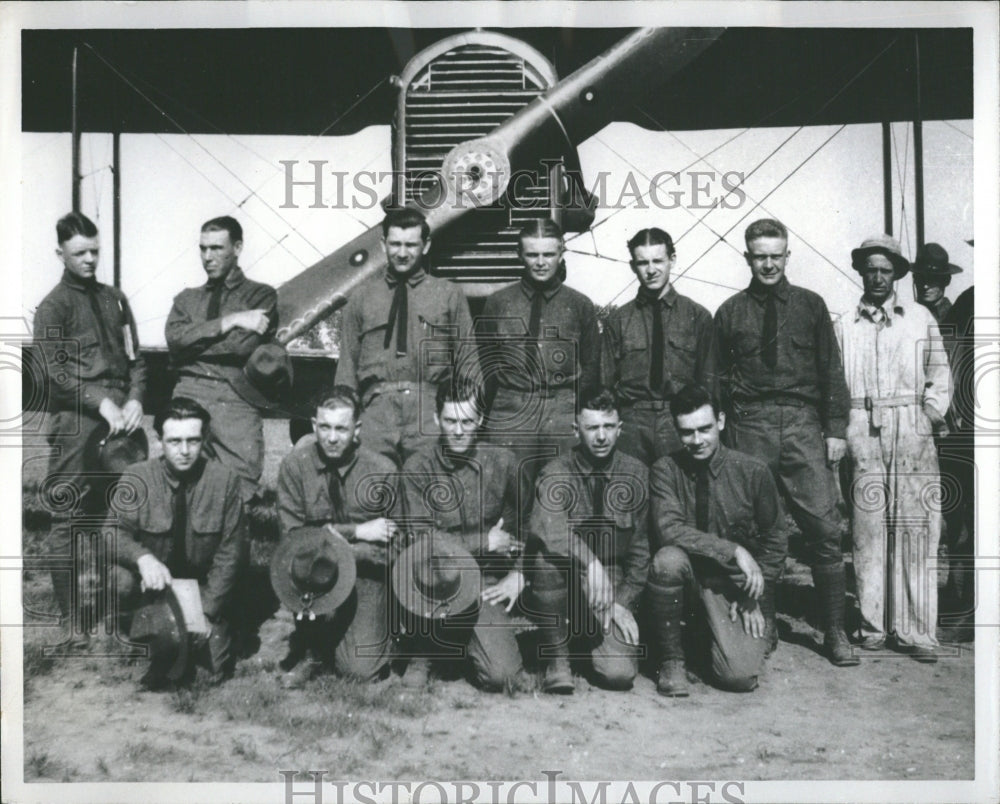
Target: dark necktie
[[177, 561], [598, 486], [336, 497], [107, 342], [215, 300], [769, 341], [656, 351], [398, 319], [701, 498]]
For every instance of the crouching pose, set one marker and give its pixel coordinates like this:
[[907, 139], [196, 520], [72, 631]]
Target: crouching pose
[[188, 523], [330, 479], [722, 544], [468, 490], [588, 553]]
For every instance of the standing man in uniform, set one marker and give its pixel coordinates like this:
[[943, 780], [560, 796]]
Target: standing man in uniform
[[932, 273], [783, 387], [469, 490], [330, 478], [900, 386], [541, 353], [211, 331], [86, 334], [587, 557], [395, 327], [652, 347], [189, 524], [721, 538]]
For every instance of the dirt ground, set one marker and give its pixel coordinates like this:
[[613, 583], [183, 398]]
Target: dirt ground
[[890, 718]]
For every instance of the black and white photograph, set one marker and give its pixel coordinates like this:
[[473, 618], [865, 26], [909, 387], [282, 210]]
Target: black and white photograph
[[500, 401]]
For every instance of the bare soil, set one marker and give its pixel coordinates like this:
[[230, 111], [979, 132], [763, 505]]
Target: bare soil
[[86, 720]]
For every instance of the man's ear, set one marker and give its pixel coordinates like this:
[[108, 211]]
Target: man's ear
[[722, 420], [576, 428], [357, 431], [437, 421], [427, 246], [238, 247]]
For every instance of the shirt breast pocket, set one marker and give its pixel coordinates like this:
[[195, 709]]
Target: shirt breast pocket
[[206, 534], [682, 349], [154, 534]]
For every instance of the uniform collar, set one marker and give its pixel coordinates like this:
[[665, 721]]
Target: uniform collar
[[585, 465], [412, 279], [891, 307], [760, 292], [173, 480], [529, 289], [323, 464], [453, 460], [77, 283], [715, 463], [667, 295], [233, 278]]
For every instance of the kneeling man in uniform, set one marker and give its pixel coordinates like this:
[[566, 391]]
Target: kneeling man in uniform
[[722, 543], [188, 523]]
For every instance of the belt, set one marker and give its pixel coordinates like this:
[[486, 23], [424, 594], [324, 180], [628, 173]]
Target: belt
[[399, 387], [120, 385], [648, 404], [874, 405], [780, 401], [548, 392]]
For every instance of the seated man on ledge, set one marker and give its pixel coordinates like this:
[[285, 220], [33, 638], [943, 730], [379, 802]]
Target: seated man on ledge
[[721, 538]]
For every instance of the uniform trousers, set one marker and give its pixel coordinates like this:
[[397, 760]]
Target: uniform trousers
[[648, 431], [790, 440], [557, 591], [236, 431], [736, 658], [398, 419]]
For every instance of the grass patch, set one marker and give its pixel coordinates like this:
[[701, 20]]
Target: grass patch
[[41, 765]]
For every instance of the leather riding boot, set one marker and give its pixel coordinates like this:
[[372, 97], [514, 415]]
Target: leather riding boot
[[831, 589], [666, 605], [553, 641], [769, 610]]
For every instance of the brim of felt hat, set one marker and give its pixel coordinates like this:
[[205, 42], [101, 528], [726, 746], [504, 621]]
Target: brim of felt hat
[[337, 549], [116, 453], [410, 596], [160, 625]]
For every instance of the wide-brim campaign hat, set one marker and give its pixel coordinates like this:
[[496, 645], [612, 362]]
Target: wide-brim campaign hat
[[159, 623], [115, 453], [313, 570], [885, 245], [436, 577], [266, 379], [932, 260]]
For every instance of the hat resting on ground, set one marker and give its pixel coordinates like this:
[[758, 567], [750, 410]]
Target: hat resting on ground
[[114, 453], [313, 570], [885, 245], [159, 624], [932, 260], [436, 577]]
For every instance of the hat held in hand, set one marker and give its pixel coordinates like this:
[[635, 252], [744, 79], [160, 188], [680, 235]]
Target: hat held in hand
[[266, 379], [113, 453], [313, 571], [159, 624], [436, 577]]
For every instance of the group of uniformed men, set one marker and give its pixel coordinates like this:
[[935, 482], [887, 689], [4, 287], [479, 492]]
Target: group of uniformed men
[[528, 479]]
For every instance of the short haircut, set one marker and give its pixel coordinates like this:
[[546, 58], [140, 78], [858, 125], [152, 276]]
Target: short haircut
[[690, 398], [458, 390], [765, 227], [601, 399], [651, 237], [225, 224], [342, 396], [406, 218], [73, 224], [539, 227], [182, 407]]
